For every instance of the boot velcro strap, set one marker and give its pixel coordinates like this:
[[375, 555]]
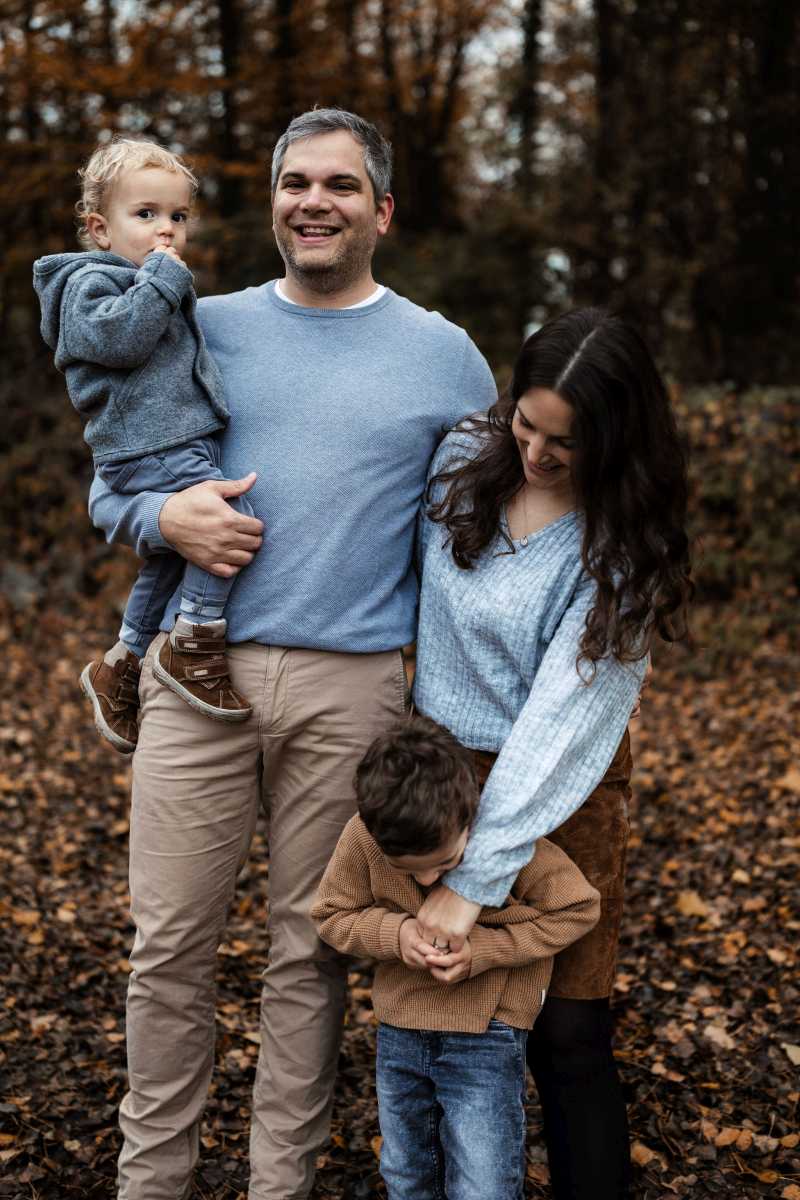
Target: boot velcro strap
[[193, 645], [127, 693], [215, 668]]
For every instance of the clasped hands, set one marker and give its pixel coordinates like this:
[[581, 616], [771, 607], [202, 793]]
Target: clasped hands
[[444, 964], [437, 939]]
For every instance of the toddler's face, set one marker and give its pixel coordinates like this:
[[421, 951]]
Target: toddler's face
[[147, 208], [428, 868]]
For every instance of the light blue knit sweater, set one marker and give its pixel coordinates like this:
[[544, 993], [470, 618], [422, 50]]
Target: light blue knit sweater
[[339, 412], [496, 655]]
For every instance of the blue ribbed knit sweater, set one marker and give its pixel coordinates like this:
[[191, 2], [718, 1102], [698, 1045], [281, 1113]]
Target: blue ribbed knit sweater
[[339, 412], [496, 655]]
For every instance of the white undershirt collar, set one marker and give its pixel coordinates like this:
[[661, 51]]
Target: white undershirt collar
[[376, 295]]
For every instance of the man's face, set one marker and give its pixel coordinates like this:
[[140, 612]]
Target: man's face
[[325, 218]]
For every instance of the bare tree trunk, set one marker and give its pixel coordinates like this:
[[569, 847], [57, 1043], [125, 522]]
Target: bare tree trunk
[[230, 39], [526, 109]]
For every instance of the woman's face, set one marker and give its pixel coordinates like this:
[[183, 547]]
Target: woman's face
[[542, 427]]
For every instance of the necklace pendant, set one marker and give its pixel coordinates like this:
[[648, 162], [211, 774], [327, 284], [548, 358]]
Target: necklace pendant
[[523, 541]]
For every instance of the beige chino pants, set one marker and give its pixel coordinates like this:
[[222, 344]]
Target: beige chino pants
[[197, 787]]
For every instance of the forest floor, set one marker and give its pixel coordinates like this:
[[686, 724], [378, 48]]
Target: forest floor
[[707, 997]]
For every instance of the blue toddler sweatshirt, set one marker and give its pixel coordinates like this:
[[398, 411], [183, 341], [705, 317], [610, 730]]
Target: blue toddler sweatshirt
[[128, 342]]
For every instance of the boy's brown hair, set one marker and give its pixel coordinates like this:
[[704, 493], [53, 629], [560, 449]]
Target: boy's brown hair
[[416, 787]]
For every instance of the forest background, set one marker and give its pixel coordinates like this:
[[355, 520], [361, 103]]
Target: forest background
[[549, 153]]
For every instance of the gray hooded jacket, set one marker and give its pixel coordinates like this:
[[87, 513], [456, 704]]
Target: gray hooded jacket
[[127, 339]]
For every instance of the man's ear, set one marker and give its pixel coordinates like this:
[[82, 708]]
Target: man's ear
[[383, 213], [97, 228]]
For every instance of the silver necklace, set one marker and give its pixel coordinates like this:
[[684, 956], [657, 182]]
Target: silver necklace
[[523, 541]]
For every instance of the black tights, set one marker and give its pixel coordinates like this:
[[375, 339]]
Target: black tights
[[585, 1123]]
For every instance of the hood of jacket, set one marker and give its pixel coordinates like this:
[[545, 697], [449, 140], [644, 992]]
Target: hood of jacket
[[50, 277]]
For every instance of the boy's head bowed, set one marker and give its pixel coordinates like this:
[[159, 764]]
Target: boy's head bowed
[[416, 788]]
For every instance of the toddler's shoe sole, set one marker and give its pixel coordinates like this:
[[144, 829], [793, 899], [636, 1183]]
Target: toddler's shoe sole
[[103, 728]]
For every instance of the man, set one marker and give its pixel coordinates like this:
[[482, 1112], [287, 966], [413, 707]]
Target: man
[[339, 391]]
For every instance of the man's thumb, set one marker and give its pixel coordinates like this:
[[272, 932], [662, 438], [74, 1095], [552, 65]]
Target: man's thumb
[[235, 487]]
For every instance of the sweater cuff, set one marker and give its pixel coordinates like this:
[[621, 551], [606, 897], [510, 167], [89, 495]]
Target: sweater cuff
[[480, 940], [172, 279], [467, 883], [150, 533], [389, 935]]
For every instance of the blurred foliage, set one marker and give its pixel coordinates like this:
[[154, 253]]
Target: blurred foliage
[[618, 152], [745, 522]]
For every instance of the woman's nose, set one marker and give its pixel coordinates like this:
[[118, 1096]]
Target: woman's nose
[[536, 446]]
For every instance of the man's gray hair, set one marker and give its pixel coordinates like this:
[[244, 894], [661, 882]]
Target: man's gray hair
[[377, 150]]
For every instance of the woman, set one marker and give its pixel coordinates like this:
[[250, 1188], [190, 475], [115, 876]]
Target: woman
[[554, 552]]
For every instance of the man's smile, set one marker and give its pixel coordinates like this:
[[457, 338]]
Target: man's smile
[[309, 231]]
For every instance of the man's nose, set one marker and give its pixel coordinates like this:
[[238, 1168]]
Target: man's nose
[[315, 198]]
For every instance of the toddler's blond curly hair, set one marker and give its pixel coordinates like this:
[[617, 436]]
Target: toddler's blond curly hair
[[106, 165]]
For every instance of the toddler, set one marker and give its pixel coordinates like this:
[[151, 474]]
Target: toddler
[[121, 318], [452, 1024]]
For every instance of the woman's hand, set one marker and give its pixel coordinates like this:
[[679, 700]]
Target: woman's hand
[[203, 528], [414, 950], [447, 918], [452, 967]]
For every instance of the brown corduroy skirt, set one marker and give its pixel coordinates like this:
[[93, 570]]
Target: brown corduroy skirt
[[596, 838]]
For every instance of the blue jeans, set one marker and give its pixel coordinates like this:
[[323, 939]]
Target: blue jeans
[[451, 1113], [202, 594]]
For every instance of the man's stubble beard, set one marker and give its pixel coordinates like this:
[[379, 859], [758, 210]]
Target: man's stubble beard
[[338, 273]]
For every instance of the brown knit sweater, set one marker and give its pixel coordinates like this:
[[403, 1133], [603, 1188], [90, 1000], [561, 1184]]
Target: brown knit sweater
[[362, 902]]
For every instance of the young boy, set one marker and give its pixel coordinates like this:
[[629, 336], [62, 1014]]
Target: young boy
[[452, 1026], [121, 318]]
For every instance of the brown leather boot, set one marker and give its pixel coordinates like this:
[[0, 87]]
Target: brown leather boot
[[114, 693], [192, 664]]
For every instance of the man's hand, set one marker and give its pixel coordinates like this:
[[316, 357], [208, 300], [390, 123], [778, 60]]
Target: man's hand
[[206, 530], [452, 967], [414, 950], [447, 918]]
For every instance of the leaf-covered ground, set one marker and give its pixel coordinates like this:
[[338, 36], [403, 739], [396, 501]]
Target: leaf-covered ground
[[707, 1000], [708, 992]]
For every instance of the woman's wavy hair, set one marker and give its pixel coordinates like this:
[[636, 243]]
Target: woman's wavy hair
[[628, 472]]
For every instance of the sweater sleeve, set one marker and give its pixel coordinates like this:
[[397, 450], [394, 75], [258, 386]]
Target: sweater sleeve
[[557, 906], [113, 328], [456, 446], [345, 911], [475, 389], [559, 748], [131, 520]]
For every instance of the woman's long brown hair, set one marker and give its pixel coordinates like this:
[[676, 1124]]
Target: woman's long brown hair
[[628, 473]]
